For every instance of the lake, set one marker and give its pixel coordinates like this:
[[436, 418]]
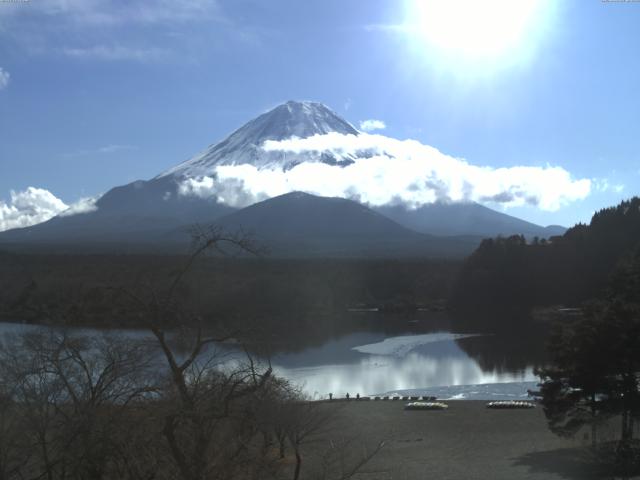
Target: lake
[[439, 363], [415, 364]]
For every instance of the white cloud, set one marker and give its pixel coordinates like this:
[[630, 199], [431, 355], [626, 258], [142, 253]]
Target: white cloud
[[31, 206], [37, 205], [141, 30], [4, 78], [112, 148], [389, 171], [232, 189], [116, 53], [197, 187], [605, 185], [370, 125], [108, 13], [104, 150], [84, 205]]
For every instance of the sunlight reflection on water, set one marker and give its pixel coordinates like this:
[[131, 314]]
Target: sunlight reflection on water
[[373, 364], [416, 363]]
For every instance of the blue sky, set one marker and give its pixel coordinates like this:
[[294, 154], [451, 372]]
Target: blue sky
[[95, 94]]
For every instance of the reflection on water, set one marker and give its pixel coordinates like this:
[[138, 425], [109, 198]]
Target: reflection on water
[[400, 346], [417, 363], [370, 363]]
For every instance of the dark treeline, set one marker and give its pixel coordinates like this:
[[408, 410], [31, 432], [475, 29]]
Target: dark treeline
[[515, 274], [289, 299]]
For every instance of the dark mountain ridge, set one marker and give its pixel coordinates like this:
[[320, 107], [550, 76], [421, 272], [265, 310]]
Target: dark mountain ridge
[[300, 224], [468, 218]]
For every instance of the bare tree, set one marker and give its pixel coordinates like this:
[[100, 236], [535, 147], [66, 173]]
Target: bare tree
[[305, 419], [13, 454], [186, 403], [70, 394], [204, 402]]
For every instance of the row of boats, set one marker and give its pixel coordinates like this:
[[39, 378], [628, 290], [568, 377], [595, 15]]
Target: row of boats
[[502, 404]]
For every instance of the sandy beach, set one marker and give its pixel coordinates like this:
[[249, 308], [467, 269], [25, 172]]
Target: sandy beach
[[467, 441]]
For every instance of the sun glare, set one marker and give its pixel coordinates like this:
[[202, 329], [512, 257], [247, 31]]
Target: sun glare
[[475, 30]]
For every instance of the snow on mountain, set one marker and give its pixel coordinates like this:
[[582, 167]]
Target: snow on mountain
[[244, 146], [144, 211]]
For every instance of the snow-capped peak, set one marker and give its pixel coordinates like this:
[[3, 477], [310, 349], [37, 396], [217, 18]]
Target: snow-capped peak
[[244, 146]]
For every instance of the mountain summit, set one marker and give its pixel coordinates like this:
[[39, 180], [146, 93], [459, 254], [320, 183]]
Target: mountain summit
[[244, 146], [151, 212]]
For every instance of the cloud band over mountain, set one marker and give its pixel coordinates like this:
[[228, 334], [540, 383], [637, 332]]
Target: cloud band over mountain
[[388, 171], [37, 205]]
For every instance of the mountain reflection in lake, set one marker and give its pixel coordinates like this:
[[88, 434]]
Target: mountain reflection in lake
[[440, 363], [370, 364]]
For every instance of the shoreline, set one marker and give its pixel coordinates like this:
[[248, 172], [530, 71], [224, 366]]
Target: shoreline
[[485, 392]]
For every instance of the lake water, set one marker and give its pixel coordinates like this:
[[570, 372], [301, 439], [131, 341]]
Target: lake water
[[420, 364], [439, 363]]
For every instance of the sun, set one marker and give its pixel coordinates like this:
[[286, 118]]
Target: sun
[[476, 30]]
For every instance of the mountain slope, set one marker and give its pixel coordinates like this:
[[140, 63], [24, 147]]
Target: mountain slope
[[149, 212], [292, 119], [301, 224], [465, 219], [140, 212], [143, 211]]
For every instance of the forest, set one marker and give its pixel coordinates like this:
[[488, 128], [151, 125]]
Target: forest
[[294, 301], [514, 274]]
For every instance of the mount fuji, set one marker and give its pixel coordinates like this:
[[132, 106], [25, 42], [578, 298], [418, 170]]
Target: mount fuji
[[244, 146], [153, 215]]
